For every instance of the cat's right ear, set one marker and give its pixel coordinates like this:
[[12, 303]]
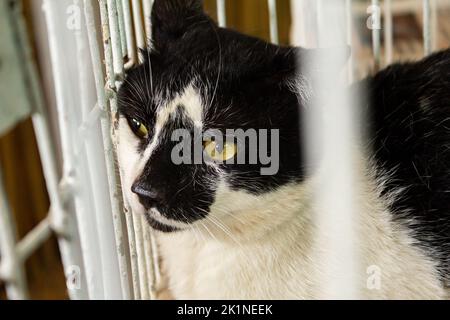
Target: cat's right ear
[[171, 19]]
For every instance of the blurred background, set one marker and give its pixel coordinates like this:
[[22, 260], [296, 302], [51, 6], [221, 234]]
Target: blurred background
[[19, 157]]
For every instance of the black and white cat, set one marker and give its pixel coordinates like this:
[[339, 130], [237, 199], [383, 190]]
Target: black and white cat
[[228, 232]]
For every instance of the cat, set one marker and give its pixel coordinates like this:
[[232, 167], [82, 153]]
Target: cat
[[228, 231]]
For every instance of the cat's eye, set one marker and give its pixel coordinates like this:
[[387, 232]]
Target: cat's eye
[[138, 128], [219, 152]]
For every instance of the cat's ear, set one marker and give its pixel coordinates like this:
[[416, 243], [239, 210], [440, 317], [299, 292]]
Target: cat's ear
[[171, 19]]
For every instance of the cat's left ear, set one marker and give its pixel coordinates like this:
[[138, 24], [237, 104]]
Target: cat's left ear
[[171, 19]]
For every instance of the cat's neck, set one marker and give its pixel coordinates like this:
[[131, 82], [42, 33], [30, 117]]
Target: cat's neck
[[248, 217]]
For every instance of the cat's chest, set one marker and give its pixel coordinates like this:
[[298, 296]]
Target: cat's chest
[[225, 271], [290, 265], [195, 269]]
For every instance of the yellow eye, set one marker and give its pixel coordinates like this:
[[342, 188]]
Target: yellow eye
[[218, 153], [138, 128]]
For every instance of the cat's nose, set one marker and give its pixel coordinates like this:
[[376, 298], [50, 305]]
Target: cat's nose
[[148, 197]]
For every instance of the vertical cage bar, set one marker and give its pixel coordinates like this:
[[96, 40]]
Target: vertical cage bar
[[147, 6], [115, 40], [427, 41], [222, 13], [273, 16], [71, 176], [109, 64], [113, 183], [376, 36], [349, 19], [112, 72], [434, 24], [148, 250], [133, 254], [11, 267], [141, 260], [388, 31], [64, 225], [129, 32], [155, 258], [138, 225], [87, 146], [319, 20], [138, 25], [62, 222], [328, 115], [111, 84], [123, 39]]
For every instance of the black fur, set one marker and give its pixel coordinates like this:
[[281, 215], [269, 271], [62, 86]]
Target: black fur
[[244, 84], [409, 114]]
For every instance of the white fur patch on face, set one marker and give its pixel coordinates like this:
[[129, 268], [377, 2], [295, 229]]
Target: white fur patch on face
[[132, 162]]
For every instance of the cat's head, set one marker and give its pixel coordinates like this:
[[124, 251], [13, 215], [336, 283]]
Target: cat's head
[[198, 78]]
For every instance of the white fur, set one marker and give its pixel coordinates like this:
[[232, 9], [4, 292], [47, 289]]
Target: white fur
[[270, 246]]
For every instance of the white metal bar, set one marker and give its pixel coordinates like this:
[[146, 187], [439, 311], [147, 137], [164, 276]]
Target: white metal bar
[[388, 31], [11, 267], [133, 254], [320, 21], [435, 23], [156, 267], [147, 6], [108, 151], [142, 267], [129, 32], [123, 39], [222, 13], [59, 220], [87, 147], [304, 23], [328, 115], [376, 39], [349, 18], [115, 38], [148, 253], [109, 63], [138, 224], [34, 239], [63, 224], [97, 180], [72, 169], [273, 17], [136, 281], [427, 37], [138, 25]]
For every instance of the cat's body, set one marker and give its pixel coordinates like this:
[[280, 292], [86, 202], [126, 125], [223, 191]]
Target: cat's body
[[229, 232], [288, 262]]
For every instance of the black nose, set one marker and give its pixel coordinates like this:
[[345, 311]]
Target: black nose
[[148, 196]]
